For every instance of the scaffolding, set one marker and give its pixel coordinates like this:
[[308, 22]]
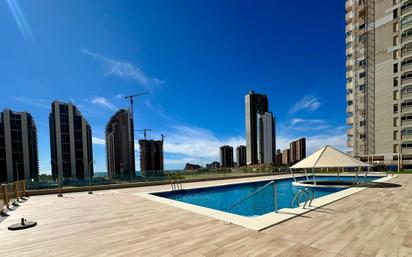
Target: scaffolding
[[370, 77]]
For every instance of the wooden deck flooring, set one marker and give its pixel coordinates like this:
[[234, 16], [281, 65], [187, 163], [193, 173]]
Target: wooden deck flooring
[[374, 222]]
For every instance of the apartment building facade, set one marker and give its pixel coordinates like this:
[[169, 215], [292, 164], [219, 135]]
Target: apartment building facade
[[18, 147], [70, 142], [266, 138], [297, 150], [286, 157], [241, 155], [120, 153], [255, 104], [226, 156], [379, 78]]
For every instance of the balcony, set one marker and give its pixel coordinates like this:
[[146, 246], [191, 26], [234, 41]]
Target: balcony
[[349, 15], [350, 62], [406, 67], [349, 39], [349, 50], [406, 52], [349, 120], [349, 143], [349, 4], [349, 85], [406, 81], [407, 123], [406, 150], [349, 108], [349, 27], [349, 74], [406, 25], [349, 132], [406, 38], [406, 137], [349, 97], [406, 10], [406, 109], [406, 95]]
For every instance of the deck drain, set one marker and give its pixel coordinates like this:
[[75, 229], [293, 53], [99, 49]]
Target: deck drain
[[24, 224]]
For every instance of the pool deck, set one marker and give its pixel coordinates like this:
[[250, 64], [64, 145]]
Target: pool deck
[[372, 222]]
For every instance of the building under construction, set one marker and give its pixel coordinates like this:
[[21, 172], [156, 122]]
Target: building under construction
[[151, 156]]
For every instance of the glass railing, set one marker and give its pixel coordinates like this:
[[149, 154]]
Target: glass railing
[[48, 182], [406, 10]]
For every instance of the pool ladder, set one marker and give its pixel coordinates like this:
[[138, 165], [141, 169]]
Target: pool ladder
[[308, 192], [176, 185], [275, 198]]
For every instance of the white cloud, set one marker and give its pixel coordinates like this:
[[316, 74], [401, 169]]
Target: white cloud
[[335, 137], [308, 103], [337, 140], [104, 102], [299, 124], [124, 70], [191, 143], [34, 102], [20, 19], [98, 141], [158, 109]]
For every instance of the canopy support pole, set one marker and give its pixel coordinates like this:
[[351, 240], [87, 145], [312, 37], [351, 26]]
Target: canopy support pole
[[357, 174], [291, 171], [314, 180], [306, 173], [366, 174]]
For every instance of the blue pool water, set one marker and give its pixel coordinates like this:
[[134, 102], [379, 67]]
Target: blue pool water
[[223, 197]]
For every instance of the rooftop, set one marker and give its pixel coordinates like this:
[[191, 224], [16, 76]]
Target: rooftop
[[373, 222]]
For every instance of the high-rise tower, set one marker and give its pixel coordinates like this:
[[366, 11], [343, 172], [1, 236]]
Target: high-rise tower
[[70, 142], [255, 104], [18, 146], [119, 151]]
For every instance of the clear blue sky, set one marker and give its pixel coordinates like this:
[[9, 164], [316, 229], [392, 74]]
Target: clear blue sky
[[197, 58]]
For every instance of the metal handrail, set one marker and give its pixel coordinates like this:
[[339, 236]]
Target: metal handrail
[[255, 192], [176, 185], [308, 192], [313, 196]]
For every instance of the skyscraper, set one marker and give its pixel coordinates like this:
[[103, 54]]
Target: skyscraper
[[379, 76], [297, 150], [254, 104], [286, 157], [241, 155], [119, 151], [226, 156], [18, 147], [70, 142], [151, 155], [266, 138]]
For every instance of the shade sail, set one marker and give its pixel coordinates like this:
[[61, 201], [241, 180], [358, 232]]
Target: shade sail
[[329, 157]]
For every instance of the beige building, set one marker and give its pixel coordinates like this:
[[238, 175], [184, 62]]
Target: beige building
[[379, 78]]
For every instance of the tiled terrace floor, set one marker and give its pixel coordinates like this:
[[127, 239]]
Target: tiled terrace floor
[[374, 222]]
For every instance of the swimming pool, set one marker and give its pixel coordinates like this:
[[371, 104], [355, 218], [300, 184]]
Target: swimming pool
[[223, 197]]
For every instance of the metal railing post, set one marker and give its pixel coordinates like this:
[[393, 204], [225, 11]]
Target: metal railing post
[[16, 190], [5, 199], [24, 187]]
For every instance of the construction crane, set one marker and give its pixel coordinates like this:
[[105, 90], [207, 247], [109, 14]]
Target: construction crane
[[144, 132], [131, 101], [132, 172], [163, 137]]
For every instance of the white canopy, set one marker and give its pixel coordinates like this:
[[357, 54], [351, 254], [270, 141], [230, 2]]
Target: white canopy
[[329, 157]]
